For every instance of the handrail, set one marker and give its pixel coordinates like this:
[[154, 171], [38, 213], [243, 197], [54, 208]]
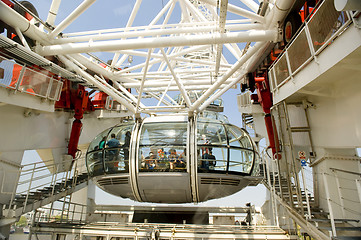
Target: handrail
[[312, 43], [36, 173], [350, 172], [37, 82]]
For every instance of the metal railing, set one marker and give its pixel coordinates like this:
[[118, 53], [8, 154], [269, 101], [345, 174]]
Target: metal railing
[[112, 105], [56, 213], [349, 196], [319, 31], [144, 231], [38, 82], [38, 175], [244, 100]]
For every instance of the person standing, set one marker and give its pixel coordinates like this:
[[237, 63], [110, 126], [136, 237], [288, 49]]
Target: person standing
[[113, 152]]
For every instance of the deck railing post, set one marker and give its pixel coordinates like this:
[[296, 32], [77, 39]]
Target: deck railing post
[[306, 193], [329, 203]]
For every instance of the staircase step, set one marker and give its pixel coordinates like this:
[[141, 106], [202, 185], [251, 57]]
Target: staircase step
[[329, 220], [341, 228], [347, 238]]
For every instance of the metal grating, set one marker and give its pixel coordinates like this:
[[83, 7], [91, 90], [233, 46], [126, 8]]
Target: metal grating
[[220, 181], [14, 48], [113, 181]]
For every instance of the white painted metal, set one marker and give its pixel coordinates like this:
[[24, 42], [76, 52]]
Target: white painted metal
[[182, 66], [55, 4], [161, 42], [14, 19], [179, 83], [237, 10], [329, 203], [358, 186], [347, 5], [71, 17], [134, 164], [229, 73], [153, 33], [309, 215], [21, 36], [181, 40]]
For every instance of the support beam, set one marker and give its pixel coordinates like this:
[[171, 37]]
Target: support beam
[[53, 12], [156, 32], [239, 11], [230, 72], [98, 84], [185, 51], [143, 79], [71, 17], [15, 20], [161, 42], [222, 24], [177, 80]]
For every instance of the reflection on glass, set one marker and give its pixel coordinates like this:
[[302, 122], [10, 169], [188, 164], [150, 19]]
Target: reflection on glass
[[211, 159], [281, 69], [238, 138], [109, 151], [223, 148], [211, 133], [95, 163], [162, 147], [240, 160]]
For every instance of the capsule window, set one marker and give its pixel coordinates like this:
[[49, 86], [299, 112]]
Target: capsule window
[[238, 138], [223, 148], [241, 160], [211, 134], [212, 159], [109, 151], [162, 147], [99, 141]]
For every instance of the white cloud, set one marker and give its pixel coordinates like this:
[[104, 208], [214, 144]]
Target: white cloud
[[123, 10]]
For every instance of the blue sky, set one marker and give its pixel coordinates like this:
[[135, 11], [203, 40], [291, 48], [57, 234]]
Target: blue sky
[[105, 14]]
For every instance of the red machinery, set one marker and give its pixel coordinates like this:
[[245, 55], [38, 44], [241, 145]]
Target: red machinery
[[74, 97]]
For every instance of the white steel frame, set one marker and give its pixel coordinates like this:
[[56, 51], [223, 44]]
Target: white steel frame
[[178, 58]]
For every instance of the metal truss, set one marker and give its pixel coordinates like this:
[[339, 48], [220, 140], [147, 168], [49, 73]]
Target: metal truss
[[204, 51]]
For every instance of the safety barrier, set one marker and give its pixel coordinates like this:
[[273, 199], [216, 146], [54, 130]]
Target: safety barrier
[[319, 31], [349, 198], [36, 81], [45, 179]]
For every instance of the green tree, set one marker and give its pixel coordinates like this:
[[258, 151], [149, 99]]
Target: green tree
[[22, 222]]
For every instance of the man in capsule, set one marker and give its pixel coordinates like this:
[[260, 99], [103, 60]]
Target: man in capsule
[[150, 161], [209, 160], [113, 143]]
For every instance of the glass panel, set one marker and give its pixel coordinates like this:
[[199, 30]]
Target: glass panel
[[212, 159], [94, 162], [324, 23], [299, 51], [210, 133], [99, 141], [206, 115], [163, 159], [240, 160], [162, 147], [55, 89], [281, 69], [238, 138], [35, 82], [117, 149], [111, 147], [9, 73]]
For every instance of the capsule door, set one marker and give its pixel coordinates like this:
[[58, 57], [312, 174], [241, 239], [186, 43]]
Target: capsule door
[[162, 162]]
